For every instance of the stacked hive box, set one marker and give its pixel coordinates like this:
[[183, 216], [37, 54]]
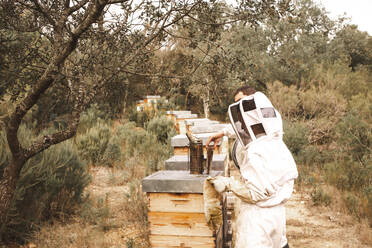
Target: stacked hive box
[[176, 210], [180, 143], [176, 205], [181, 162], [179, 117]]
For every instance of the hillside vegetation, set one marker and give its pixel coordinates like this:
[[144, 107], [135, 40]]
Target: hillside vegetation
[[68, 90]]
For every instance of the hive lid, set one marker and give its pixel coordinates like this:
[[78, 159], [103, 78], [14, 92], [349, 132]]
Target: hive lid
[[181, 162], [175, 182]]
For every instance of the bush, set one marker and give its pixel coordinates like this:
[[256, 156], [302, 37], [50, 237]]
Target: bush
[[354, 135], [285, 99], [90, 118], [143, 146], [141, 118], [163, 104], [322, 101], [162, 127], [136, 203], [51, 184], [353, 204], [295, 136], [113, 152], [367, 203], [92, 144], [330, 126], [99, 145], [320, 197]]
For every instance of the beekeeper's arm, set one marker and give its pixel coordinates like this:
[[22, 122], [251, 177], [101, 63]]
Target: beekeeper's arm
[[222, 184], [257, 188], [246, 192], [227, 131]]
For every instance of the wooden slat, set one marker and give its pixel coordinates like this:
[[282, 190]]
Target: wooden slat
[[183, 224], [180, 203], [184, 150], [166, 241]]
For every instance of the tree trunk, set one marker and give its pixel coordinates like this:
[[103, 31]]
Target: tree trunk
[[187, 98], [206, 105], [8, 185], [20, 155]]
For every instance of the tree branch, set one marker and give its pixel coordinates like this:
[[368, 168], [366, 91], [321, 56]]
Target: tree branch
[[45, 82], [81, 100], [53, 139], [44, 12], [76, 7], [163, 27]]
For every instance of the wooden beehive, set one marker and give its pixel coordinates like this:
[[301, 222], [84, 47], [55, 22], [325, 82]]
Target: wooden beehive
[[176, 209], [184, 150], [177, 220]]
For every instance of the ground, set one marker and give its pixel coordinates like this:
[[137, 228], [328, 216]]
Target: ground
[[308, 226]]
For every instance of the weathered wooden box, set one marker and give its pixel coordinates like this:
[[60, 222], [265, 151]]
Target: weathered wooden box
[[176, 210], [180, 143]]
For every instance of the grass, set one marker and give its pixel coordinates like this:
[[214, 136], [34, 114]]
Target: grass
[[113, 216]]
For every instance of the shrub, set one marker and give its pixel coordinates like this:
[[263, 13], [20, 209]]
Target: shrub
[[285, 99], [295, 136], [51, 184], [136, 203], [354, 135], [162, 127], [96, 212], [312, 155], [367, 203], [163, 104], [320, 197], [144, 146], [112, 152], [90, 118], [353, 204], [92, 144], [322, 101], [141, 117], [99, 145]]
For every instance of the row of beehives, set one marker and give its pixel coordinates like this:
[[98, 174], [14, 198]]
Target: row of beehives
[[176, 207]]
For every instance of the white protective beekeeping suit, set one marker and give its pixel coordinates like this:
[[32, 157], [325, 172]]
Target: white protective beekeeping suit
[[267, 168]]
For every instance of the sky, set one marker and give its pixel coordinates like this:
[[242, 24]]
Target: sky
[[360, 11]]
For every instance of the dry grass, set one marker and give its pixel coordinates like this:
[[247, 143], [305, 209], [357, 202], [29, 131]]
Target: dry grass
[[319, 226], [365, 231], [115, 217], [107, 219]]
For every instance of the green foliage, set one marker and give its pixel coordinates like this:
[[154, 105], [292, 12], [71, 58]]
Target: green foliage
[[113, 151], [353, 204], [144, 146], [367, 202], [162, 127], [51, 184], [354, 134], [295, 136], [136, 203], [91, 117], [163, 104], [92, 144], [96, 212], [320, 197], [329, 131], [313, 155], [141, 117], [285, 98]]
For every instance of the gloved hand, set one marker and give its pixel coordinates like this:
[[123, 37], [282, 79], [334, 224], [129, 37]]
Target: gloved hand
[[220, 183]]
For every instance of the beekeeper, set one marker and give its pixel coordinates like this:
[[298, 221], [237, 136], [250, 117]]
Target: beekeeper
[[267, 168]]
